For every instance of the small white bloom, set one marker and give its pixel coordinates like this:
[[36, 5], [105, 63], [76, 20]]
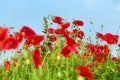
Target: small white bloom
[[58, 57], [80, 78], [59, 74]]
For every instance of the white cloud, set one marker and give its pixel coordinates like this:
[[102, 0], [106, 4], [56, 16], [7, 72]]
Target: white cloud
[[89, 3], [93, 3], [118, 7]]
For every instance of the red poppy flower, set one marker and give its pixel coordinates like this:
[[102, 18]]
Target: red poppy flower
[[34, 39], [63, 32], [115, 39], [36, 57], [3, 33], [3, 36], [10, 43], [99, 35], [81, 34], [99, 59], [50, 46], [18, 36], [75, 31], [78, 22], [60, 31], [71, 42], [119, 45], [7, 64], [52, 38], [100, 52], [110, 38], [114, 58], [90, 47], [57, 19], [67, 33], [85, 72], [65, 25], [71, 46], [50, 30], [66, 52], [26, 31], [67, 49]]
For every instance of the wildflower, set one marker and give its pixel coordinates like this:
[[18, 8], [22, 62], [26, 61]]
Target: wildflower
[[52, 38], [99, 35], [50, 46], [99, 59], [50, 30], [86, 55], [18, 36], [57, 20], [108, 37], [60, 31], [78, 23], [100, 52], [7, 64], [65, 25], [3, 33], [80, 34], [34, 39], [111, 39], [26, 31], [3, 36], [36, 57], [66, 52], [71, 42], [119, 45], [85, 72], [71, 46], [114, 58], [10, 43], [90, 47], [75, 31]]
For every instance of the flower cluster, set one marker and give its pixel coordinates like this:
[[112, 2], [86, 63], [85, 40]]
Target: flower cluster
[[60, 53], [108, 37]]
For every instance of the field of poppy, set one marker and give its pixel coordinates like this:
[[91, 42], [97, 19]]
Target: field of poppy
[[64, 52]]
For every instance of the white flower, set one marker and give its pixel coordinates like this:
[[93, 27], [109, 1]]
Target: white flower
[[80, 78], [59, 74]]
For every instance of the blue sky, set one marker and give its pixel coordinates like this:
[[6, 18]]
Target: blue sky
[[30, 12]]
